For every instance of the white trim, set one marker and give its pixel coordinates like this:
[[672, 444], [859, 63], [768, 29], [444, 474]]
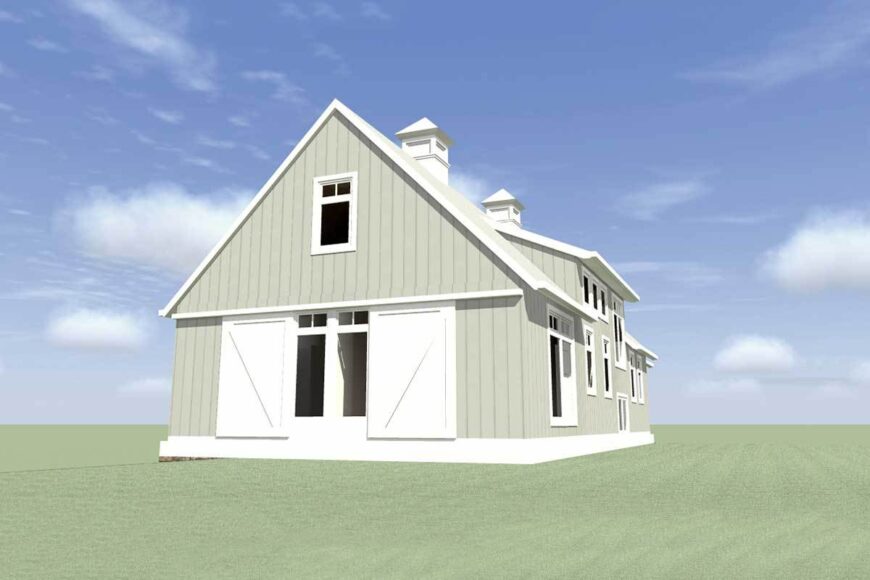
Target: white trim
[[568, 391], [589, 348], [620, 352], [317, 203], [607, 358], [636, 345], [354, 304], [633, 380], [641, 398], [595, 257], [512, 259], [344, 439]]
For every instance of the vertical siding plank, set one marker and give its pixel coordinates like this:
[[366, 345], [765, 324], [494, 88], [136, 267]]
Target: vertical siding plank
[[462, 383], [472, 403], [501, 391], [487, 377]]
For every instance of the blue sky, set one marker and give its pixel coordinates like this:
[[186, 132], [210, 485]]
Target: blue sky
[[716, 153]]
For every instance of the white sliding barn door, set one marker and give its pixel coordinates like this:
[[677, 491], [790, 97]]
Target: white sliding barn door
[[412, 374], [255, 373]]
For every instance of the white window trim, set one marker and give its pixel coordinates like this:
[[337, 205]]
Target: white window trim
[[632, 378], [593, 390], [641, 397], [318, 202], [608, 394], [620, 350], [569, 397], [595, 281]]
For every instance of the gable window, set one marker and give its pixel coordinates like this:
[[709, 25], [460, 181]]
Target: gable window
[[333, 228], [605, 350], [589, 338], [563, 389]]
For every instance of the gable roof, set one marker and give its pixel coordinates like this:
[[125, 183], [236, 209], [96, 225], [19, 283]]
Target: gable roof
[[453, 202], [602, 268]]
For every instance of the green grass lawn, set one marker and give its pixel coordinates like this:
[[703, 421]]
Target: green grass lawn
[[730, 502]]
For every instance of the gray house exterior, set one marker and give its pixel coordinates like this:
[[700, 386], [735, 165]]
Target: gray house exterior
[[361, 308]]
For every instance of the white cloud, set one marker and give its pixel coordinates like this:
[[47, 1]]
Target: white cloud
[[830, 251], [292, 10], [6, 108], [730, 389], [215, 143], [258, 153], [755, 354], [6, 16], [284, 89], [240, 120], [171, 117], [206, 163], [46, 45], [327, 52], [2, 367], [374, 11], [97, 330], [5, 70], [325, 11], [155, 30], [835, 42], [650, 202], [861, 373], [98, 73], [833, 391], [148, 387], [102, 117], [690, 273], [474, 187], [734, 219], [161, 225]]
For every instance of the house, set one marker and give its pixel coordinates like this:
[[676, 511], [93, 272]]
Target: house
[[361, 308]]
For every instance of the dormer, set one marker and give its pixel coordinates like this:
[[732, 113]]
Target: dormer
[[503, 207], [428, 144]]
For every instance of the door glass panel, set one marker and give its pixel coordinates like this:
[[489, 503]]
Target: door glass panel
[[555, 380], [310, 360], [566, 359], [352, 350]]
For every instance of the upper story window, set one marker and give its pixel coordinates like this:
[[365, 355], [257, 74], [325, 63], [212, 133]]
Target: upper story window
[[641, 363], [333, 227], [605, 351], [631, 373], [589, 342], [619, 337], [595, 294]]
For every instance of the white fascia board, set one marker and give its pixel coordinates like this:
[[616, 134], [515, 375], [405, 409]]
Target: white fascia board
[[577, 252], [249, 209], [406, 163], [561, 296], [635, 344], [427, 181], [349, 304]]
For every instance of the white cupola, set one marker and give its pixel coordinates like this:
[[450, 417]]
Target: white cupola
[[503, 207], [428, 144]]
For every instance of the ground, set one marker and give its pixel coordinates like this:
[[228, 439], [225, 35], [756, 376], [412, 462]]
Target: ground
[[729, 502]]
